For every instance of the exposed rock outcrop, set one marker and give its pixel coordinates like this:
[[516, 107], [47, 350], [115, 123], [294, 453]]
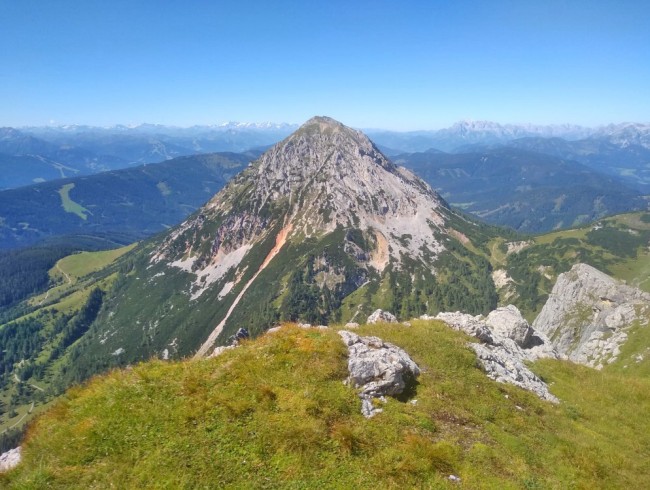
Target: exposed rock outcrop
[[501, 365], [507, 340], [377, 369], [10, 459], [381, 316], [507, 322], [588, 314]]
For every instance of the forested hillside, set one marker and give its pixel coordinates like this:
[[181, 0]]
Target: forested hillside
[[125, 205]]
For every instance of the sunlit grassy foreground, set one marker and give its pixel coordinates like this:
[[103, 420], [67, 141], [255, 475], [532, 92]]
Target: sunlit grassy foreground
[[275, 413]]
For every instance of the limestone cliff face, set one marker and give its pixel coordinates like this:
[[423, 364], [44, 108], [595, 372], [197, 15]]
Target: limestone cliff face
[[588, 314]]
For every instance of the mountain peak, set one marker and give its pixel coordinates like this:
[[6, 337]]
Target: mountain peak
[[324, 122], [322, 178], [329, 131], [322, 136]]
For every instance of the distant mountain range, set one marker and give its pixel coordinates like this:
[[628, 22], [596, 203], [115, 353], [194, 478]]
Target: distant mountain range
[[33, 155], [528, 191], [466, 133], [473, 132], [36, 154], [628, 159], [531, 184]]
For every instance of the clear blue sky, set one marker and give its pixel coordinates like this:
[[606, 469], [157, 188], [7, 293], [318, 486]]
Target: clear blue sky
[[375, 64]]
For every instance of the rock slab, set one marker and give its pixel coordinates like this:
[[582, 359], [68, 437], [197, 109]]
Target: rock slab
[[507, 340], [502, 366]]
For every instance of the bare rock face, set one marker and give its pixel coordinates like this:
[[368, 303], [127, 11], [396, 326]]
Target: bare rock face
[[377, 369], [10, 459], [381, 316], [507, 341], [507, 322], [588, 314]]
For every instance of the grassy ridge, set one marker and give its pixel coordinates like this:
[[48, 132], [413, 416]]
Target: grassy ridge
[[274, 413]]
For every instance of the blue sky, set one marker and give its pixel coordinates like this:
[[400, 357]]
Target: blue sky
[[375, 64]]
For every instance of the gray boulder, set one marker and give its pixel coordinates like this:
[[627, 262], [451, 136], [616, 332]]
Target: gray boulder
[[381, 316], [507, 322], [377, 369], [10, 459]]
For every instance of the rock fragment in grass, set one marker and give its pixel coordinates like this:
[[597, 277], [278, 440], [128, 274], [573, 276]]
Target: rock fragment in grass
[[377, 369], [381, 316]]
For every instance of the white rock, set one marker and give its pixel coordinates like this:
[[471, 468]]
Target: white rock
[[352, 325], [10, 459], [502, 366], [500, 354], [220, 350], [381, 316]]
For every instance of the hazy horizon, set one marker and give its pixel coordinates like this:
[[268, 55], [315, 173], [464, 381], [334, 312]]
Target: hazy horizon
[[260, 124], [416, 65]]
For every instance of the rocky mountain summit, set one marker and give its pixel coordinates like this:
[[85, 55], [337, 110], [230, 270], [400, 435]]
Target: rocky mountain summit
[[588, 314], [323, 176]]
